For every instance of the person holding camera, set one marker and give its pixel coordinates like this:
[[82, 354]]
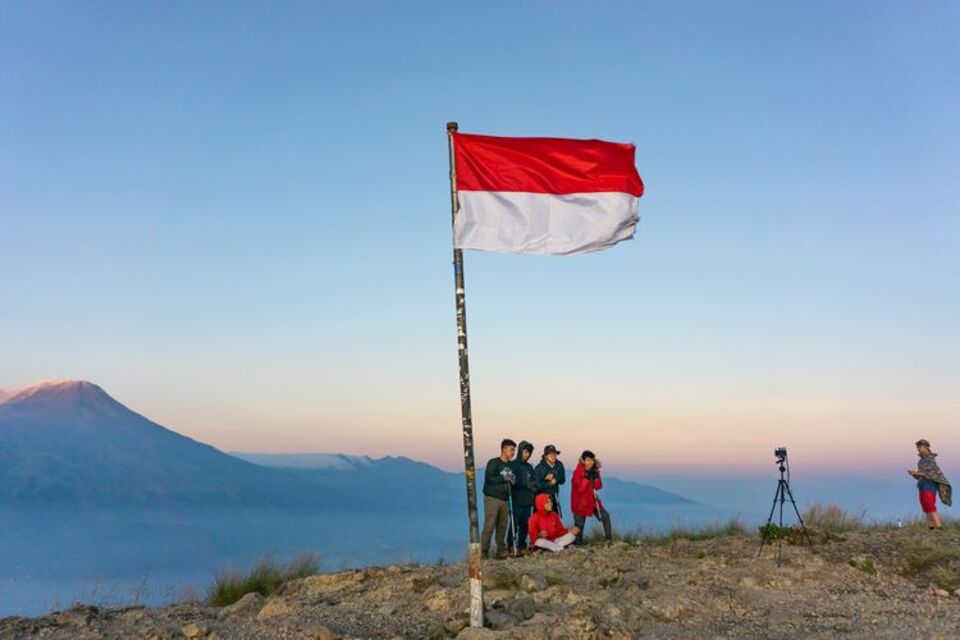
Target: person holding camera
[[498, 479], [584, 501], [550, 474], [546, 529], [931, 482], [523, 493]]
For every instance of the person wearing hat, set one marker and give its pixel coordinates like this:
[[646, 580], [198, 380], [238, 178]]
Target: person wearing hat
[[584, 501], [930, 483], [550, 474]]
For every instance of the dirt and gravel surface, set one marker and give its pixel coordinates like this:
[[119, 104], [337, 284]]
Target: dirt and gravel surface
[[884, 583]]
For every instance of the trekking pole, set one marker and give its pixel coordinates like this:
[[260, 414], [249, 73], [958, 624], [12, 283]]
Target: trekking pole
[[511, 521]]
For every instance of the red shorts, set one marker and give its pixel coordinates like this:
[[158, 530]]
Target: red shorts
[[928, 501]]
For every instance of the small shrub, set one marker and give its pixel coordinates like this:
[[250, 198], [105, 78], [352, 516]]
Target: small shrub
[[944, 577], [865, 564], [265, 578], [833, 519], [924, 563]]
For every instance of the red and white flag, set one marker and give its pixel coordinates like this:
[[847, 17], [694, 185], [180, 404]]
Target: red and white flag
[[544, 195]]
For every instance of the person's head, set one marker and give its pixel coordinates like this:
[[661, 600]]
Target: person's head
[[526, 450], [923, 447], [543, 503], [588, 460], [550, 454], [507, 448]]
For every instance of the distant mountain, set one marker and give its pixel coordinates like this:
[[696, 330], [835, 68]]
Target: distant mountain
[[627, 492], [70, 441], [326, 461], [429, 477]]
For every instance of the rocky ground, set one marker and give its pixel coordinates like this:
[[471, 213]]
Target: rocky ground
[[893, 583]]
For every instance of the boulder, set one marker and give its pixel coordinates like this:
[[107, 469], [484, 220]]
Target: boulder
[[274, 608], [499, 619], [523, 608], [533, 583], [193, 630], [249, 605]]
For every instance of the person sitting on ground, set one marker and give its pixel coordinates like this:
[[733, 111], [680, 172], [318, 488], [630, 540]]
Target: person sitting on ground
[[930, 482], [550, 474], [584, 501], [546, 529], [523, 493], [497, 479]]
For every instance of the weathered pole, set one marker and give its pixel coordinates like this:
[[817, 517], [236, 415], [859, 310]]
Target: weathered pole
[[473, 551]]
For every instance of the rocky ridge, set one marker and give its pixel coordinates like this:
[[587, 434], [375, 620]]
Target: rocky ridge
[[866, 584]]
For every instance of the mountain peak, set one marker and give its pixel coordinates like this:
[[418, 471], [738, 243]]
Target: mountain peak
[[73, 391]]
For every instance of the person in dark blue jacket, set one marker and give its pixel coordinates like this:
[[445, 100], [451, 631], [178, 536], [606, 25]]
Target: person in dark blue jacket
[[524, 492], [550, 474]]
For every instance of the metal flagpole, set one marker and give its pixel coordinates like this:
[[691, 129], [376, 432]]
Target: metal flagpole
[[473, 553]]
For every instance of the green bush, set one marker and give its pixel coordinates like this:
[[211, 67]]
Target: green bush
[[265, 578]]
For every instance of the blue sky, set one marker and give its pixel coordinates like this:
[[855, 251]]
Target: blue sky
[[234, 217]]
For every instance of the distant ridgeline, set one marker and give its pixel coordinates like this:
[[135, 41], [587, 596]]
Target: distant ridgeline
[[70, 442]]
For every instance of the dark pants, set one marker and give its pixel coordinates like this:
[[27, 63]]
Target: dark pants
[[580, 521], [555, 499], [521, 515], [494, 517]]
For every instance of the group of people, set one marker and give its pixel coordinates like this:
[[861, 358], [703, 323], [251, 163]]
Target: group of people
[[521, 503]]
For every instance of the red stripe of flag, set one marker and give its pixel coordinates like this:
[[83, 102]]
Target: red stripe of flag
[[545, 165]]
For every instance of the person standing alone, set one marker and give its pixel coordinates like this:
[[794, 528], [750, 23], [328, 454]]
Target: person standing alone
[[498, 479], [930, 483]]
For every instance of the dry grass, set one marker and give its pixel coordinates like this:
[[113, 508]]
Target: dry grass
[[265, 578], [733, 527], [833, 519], [924, 562]]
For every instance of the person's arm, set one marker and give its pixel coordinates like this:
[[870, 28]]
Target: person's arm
[[562, 531], [533, 528], [532, 485], [491, 475], [560, 472], [580, 480], [597, 482]]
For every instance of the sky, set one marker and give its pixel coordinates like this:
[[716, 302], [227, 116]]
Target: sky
[[234, 217]]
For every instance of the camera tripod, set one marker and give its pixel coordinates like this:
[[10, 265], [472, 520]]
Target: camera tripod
[[781, 497]]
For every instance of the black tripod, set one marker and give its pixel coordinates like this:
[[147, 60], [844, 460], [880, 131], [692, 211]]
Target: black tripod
[[782, 496]]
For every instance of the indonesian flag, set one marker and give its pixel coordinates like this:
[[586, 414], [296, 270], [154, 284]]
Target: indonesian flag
[[544, 195]]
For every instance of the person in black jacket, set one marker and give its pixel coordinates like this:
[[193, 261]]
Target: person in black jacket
[[497, 481], [524, 491], [550, 474]]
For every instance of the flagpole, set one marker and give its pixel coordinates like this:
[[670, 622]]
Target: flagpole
[[473, 551]]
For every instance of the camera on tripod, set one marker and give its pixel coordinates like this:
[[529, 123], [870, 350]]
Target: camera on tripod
[[783, 496]]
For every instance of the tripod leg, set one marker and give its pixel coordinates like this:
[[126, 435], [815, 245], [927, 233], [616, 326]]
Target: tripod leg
[[803, 527], [763, 540], [783, 498]]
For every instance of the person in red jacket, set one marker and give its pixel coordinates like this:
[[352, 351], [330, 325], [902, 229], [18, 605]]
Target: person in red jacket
[[546, 530], [584, 501]]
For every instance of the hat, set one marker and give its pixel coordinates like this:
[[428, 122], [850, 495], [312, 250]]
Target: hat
[[923, 443], [550, 449], [587, 454]]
